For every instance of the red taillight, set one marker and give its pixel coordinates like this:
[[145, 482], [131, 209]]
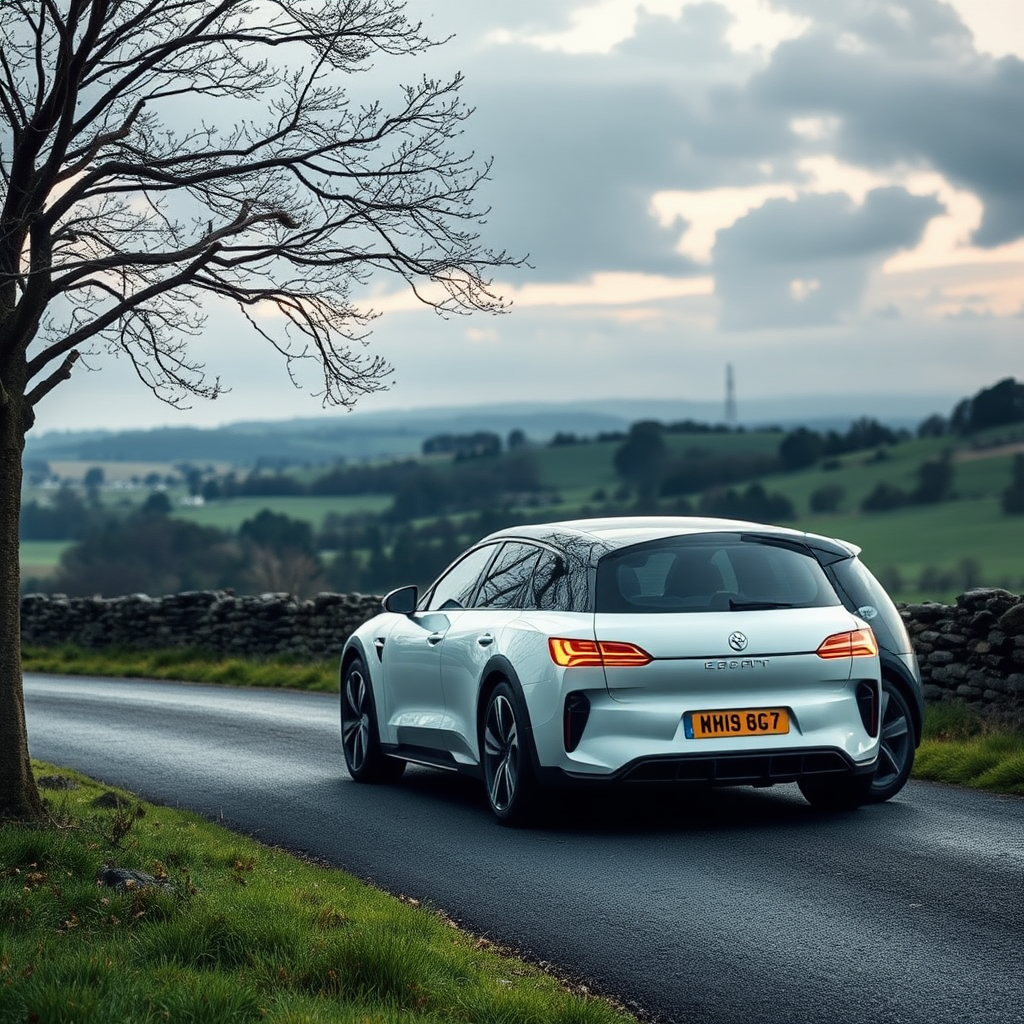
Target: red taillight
[[592, 654], [859, 643]]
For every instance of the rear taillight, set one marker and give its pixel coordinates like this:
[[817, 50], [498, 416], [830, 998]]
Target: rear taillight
[[858, 643], [591, 653]]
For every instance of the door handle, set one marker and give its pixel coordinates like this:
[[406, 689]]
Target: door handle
[[486, 640], [435, 638]]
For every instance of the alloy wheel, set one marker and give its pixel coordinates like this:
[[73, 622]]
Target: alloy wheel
[[501, 753], [355, 720], [896, 746]]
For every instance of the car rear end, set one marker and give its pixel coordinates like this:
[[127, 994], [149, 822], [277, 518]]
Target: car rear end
[[725, 658]]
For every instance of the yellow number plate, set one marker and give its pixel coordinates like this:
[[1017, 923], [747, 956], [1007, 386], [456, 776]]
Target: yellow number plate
[[703, 725]]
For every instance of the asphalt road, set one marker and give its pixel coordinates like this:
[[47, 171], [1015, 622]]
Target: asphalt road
[[732, 907]]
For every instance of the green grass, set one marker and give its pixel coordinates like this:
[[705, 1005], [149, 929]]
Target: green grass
[[193, 666], [233, 933], [962, 748]]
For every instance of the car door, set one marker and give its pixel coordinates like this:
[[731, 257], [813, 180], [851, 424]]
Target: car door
[[474, 636], [411, 656]]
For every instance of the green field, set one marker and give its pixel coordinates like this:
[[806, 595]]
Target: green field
[[230, 513], [921, 551], [39, 558]]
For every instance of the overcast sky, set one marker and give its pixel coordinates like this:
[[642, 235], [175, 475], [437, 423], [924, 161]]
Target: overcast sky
[[827, 194]]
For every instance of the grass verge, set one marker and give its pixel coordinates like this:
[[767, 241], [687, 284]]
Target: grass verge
[[230, 931], [184, 664], [963, 748], [959, 745]]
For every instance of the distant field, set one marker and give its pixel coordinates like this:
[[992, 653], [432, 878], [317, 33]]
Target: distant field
[[232, 512], [968, 538], [941, 536], [39, 558]]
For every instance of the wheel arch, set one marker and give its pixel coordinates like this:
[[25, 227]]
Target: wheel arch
[[497, 670], [892, 674]]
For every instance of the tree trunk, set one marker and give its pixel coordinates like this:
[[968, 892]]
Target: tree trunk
[[19, 797]]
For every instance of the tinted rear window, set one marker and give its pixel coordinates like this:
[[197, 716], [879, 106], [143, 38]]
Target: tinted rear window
[[716, 572]]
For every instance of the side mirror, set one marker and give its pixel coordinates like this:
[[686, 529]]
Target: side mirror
[[401, 601]]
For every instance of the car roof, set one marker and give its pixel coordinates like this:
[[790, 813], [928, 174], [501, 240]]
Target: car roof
[[622, 531]]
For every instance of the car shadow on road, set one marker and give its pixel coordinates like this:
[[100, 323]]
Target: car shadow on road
[[648, 809]]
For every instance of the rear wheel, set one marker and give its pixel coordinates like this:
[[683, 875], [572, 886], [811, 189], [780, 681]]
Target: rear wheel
[[507, 761], [836, 792], [896, 747], [360, 740]]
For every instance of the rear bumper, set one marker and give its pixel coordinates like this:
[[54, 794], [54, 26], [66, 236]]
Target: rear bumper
[[744, 769]]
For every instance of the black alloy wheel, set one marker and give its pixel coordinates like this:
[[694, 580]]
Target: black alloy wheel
[[896, 747], [360, 739]]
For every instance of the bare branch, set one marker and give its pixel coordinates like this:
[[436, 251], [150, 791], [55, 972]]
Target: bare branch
[[123, 217]]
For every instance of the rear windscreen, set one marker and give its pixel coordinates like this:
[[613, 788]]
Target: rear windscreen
[[713, 572]]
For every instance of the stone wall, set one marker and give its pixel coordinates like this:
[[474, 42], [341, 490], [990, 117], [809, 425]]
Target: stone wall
[[971, 651], [214, 620]]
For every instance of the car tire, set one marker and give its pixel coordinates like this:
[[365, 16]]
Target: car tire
[[360, 739], [836, 792], [507, 758], [896, 747]]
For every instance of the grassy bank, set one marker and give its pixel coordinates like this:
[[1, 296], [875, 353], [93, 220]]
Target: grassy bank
[[229, 931], [959, 746], [962, 748]]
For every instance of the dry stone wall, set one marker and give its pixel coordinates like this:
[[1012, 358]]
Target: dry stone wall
[[971, 651], [213, 620]]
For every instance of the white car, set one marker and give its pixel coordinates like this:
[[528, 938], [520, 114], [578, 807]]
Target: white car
[[629, 650]]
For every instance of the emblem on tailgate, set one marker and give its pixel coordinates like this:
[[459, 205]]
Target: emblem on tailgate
[[737, 641]]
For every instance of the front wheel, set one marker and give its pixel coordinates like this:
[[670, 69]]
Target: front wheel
[[360, 740], [896, 747], [505, 752]]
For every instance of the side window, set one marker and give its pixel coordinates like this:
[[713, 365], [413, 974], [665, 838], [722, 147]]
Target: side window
[[505, 585], [455, 588], [555, 587]]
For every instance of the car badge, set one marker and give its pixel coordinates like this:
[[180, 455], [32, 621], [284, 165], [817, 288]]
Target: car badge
[[737, 641]]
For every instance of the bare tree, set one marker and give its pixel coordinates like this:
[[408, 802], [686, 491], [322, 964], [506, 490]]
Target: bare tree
[[156, 155]]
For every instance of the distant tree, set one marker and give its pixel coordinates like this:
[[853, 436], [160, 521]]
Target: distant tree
[[800, 448], [869, 433], [116, 223], [156, 504], [884, 498], [934, 481], [752, 503], [516, 439], [827, 498], [151, 554], [998, 406], [94, 477], [934, 426], [641, 457], [274, 531], [210, 490], [65, 517], [284, 572], [1013, 496]]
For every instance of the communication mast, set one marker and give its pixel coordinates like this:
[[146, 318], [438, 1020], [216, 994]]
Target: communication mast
[[730, 398]]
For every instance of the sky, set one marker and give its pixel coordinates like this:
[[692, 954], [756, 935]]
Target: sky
[[827, 195]]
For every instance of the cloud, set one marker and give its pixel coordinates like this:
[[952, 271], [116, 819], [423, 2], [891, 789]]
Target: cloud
[[905, 87], [804, 262]]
